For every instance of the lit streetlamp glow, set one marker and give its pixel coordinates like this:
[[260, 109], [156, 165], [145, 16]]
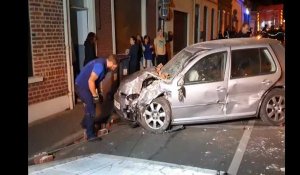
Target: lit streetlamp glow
[[247, 11]]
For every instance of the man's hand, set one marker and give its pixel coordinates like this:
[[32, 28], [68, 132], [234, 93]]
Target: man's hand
[[96, 99]]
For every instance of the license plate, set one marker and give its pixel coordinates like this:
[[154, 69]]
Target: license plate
[[117, 104]]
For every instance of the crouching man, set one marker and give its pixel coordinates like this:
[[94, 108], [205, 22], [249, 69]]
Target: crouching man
[[85, 87]]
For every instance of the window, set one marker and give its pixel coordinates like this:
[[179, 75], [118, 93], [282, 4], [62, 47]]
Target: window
[[251, 62], [267, 63], [209, 69]]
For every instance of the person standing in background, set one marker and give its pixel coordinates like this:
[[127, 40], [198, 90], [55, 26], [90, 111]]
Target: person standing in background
[[160, 48], [139, 42], [148, 52], [133, 56], [89, 48]]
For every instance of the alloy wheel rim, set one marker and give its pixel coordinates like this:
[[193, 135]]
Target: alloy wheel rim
[[155, 115], [276, 108]]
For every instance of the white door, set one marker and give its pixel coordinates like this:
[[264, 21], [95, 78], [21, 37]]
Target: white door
[[82, 32]]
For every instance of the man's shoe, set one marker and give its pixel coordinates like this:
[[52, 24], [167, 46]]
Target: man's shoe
[[94, 138]]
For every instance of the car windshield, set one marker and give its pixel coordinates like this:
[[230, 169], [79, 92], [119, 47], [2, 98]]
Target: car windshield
[[176, 63]]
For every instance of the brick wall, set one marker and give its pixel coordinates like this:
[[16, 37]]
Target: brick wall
[[48, 50], [104, 29]]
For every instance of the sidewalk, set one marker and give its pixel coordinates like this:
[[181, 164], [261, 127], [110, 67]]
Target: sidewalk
[[55, 131], [62, 129]]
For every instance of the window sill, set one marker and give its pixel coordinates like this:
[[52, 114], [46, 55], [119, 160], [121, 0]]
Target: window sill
[[35, 79]]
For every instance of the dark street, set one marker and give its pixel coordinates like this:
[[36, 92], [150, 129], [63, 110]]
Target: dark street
[[222, 146]]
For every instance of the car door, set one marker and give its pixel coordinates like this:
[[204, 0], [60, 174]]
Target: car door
[[204, 89], [253, 72]]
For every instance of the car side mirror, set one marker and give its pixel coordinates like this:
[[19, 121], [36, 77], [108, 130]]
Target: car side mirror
[[181, 94], [181, 90], [180, 82]]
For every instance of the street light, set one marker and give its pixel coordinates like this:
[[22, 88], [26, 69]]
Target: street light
[[247, 15], [247, 11], [164, 11]]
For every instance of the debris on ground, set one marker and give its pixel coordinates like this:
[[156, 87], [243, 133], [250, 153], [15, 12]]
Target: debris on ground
[[102, 132], [175, 128], [42, 158]]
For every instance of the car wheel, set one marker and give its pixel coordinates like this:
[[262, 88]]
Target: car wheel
[[157, 116], [272, 110]]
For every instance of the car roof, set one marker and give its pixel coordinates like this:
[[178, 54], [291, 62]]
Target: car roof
[[215, 44]]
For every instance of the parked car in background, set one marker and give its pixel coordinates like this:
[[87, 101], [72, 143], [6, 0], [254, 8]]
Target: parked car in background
[[210, 81]]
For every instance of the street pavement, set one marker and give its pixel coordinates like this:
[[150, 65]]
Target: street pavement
[[238, 147]]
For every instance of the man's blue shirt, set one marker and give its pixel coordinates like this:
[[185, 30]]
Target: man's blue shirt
[[98, 66]]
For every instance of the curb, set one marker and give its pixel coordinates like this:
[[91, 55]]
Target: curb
[[64, 142]]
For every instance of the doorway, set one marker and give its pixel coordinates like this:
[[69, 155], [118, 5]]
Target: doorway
[[79, 31], [180, 31]]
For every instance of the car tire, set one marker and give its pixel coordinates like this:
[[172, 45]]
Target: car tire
[[272, 110], [156, 116]]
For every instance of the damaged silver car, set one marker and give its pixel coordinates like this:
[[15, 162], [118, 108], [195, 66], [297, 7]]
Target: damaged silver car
[[207, 82]]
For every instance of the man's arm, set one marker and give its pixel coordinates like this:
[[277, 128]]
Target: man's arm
[[92, 83], [93, 77]]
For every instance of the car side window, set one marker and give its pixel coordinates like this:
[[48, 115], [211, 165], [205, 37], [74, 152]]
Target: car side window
[[251, 62], [267, 63], [211, 68], [245, 62]]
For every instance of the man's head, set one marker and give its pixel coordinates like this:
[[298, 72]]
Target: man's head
[[245, 28], [112, 62], [160, 32]]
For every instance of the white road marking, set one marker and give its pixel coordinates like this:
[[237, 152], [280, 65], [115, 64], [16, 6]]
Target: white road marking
[[237, 159]]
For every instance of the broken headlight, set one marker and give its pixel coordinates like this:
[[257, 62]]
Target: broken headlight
[[132, 97]]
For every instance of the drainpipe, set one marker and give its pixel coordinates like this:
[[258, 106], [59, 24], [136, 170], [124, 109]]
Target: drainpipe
[[143, 18], [112, 9], [194, 23], [68, 52]]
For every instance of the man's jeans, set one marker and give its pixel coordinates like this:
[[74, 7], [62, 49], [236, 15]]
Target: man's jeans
[[89, 110]]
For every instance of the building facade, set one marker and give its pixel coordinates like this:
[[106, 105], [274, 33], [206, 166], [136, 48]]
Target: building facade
[[191, 21], [58, 29], [240, 14], [48, 75], [270, 15]]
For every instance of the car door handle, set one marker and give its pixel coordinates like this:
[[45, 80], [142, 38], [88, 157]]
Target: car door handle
[[266, 82], [220, 89]]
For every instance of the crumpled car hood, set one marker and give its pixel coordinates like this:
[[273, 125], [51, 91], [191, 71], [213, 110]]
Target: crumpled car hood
[[132, 84]]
